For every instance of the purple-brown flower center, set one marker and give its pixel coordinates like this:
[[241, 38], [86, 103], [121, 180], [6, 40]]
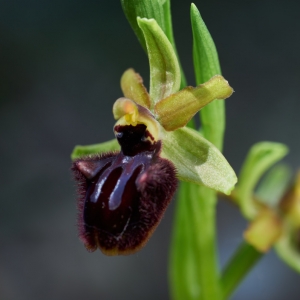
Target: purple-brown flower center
[[135, 139]]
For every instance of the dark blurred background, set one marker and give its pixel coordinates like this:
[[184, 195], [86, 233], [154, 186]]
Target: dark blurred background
[[60, 66]]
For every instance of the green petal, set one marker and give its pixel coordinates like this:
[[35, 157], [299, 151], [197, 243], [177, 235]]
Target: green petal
[[206, 64], [164, 67], [287, 249], [259, 159], [108, 146], [197, 160], [125, 107], [274, 185], [176, 110], [133, 88]]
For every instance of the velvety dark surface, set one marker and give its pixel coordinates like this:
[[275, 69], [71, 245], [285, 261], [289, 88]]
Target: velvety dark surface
[[60, 67], [122, 198]]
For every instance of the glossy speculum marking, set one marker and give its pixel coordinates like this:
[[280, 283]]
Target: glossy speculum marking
[[122, 196]]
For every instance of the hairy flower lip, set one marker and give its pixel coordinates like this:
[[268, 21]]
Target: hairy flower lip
[[146, 184]]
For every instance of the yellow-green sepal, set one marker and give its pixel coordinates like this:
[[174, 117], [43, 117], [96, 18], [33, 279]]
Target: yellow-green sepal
[[197, 160], [159, 10], [108, 146], [164, 67], [176, 110]]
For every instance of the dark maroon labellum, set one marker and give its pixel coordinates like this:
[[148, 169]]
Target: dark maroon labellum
[[123, 195]]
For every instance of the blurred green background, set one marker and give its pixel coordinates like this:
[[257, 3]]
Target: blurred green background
[[60, 66]]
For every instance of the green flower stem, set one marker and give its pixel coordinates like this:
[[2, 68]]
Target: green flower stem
[[245, 257], [203, 208], [193, 262]]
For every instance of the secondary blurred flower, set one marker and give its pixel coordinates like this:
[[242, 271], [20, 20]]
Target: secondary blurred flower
[[274, 208], [265, 226], [124, 194], [288, 247]]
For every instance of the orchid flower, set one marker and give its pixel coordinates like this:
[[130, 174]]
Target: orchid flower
[[126, 184]]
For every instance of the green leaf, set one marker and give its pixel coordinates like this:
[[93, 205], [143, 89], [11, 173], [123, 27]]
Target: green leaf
[[164, 67], [150, 9], [176, 110], [80, 151], [206, 65], [169, 34], [259, 159], [274, 185], [133, 88], [168, 29], [197, 160]]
